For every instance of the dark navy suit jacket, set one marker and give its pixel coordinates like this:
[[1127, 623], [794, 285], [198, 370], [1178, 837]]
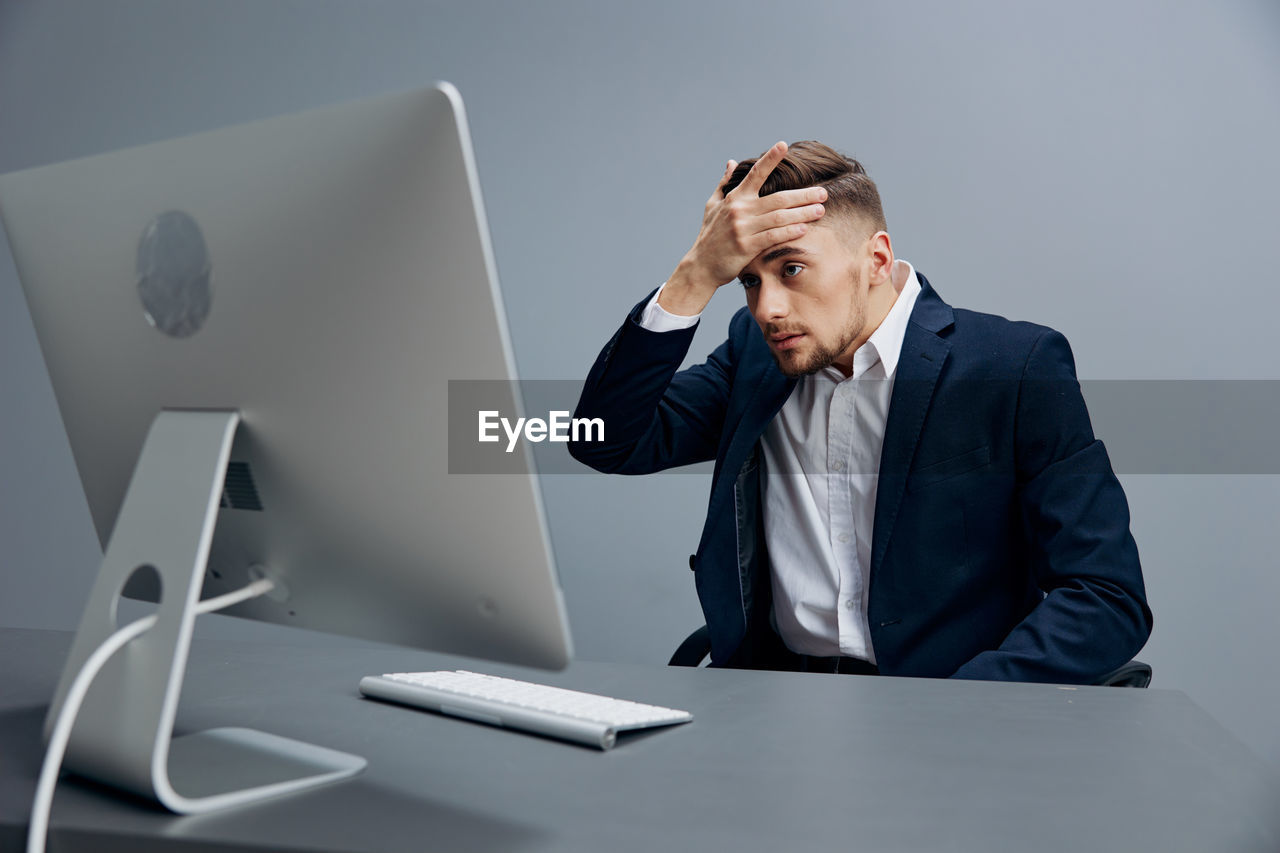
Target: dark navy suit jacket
[[1001, 547]]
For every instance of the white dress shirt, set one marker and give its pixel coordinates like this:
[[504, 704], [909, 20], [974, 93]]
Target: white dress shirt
[[821, 464]]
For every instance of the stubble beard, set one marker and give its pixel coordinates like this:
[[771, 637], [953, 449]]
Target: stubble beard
[[823, 355]]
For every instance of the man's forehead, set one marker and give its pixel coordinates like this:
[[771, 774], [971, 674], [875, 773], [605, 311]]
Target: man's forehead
[[820, 238]]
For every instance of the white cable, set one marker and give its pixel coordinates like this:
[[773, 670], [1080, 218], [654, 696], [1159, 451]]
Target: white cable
[[61, 734], [244, 593]]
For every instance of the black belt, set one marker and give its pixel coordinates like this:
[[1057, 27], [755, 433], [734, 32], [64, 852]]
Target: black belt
[[846, 665]]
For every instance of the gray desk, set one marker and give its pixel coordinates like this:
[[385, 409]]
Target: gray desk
[[772, 762]]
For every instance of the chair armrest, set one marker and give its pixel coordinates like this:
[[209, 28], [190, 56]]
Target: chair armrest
[[695, 648], [1133, 674]]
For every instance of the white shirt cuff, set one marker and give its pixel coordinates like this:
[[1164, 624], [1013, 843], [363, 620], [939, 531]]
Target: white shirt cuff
[[657, 319]]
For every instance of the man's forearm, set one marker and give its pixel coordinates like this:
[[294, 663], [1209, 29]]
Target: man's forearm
[[654, 418], [1075, 636]]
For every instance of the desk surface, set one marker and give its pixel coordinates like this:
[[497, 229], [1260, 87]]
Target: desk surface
[[772, 761]]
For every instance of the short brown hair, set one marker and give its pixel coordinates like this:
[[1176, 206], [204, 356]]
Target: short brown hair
[[810, 164]]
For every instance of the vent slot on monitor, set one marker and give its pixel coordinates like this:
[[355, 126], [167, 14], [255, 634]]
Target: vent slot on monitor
[[238, 490]]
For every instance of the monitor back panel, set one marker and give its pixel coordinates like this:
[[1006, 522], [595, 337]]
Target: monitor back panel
[[350, 280]]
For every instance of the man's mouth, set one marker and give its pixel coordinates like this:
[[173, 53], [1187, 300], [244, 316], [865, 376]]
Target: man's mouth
[[786, 340]]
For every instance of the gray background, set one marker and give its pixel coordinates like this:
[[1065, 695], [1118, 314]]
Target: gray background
[[1105, 168]]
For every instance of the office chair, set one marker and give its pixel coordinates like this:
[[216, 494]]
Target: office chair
[[697, 647]]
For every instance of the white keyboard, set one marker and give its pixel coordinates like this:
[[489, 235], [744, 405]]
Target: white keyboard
[[553, 711]]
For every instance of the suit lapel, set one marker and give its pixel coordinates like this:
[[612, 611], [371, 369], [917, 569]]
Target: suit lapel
[[748, 416], [767, 397], [919, 365]]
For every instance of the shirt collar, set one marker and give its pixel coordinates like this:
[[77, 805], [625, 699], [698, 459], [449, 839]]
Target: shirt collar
[[887, 339]]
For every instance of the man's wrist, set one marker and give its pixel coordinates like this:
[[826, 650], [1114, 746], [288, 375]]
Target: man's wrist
[[687, 292], [655, 318]]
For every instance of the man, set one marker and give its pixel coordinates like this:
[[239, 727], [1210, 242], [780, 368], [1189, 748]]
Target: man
[[899, 487]]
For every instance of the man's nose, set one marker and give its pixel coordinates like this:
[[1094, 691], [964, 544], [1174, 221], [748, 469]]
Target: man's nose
[[771, 301]]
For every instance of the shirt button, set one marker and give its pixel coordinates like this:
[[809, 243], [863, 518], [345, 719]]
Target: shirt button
[[848, 604], [843, 537], [838, 465]]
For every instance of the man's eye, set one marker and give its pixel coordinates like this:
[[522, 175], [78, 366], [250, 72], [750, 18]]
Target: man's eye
[[791, 269], [748, 281]]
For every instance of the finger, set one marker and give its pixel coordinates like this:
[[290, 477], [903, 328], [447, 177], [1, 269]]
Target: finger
[[790, 198], [718, 195], [763, 167], [789, 216], [766, 240]]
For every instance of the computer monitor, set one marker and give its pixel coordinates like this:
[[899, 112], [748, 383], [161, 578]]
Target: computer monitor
[[250, 334]]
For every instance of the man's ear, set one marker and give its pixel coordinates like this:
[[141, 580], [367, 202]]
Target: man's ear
[[881, 250]]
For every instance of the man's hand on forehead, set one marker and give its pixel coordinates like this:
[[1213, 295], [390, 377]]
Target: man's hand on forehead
[[736, 227], [742, 224]]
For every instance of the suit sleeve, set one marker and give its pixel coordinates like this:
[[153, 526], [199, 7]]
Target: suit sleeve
[[1094, 616], [654, 418]]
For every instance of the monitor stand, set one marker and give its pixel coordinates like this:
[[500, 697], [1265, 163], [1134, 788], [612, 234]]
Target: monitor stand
[[123, 735]]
